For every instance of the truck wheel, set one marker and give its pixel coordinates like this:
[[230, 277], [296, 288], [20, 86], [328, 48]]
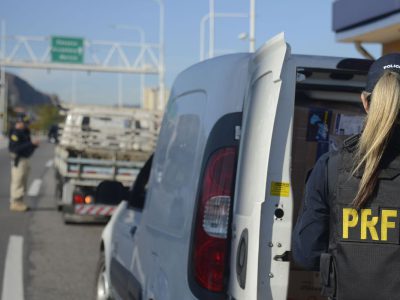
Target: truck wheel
[[102, 286], [68, 218]]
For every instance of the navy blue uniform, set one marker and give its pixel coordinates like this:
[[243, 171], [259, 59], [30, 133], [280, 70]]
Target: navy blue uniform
[[21, 148], [311, 233], [20, 143]]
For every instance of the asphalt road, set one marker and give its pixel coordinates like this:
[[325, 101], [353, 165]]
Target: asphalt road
[[59, 260]]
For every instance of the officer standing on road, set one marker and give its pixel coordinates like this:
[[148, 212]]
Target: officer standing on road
[[21, 148], [349, 228]]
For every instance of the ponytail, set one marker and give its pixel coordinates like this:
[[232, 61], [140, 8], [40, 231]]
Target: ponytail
[[382, 118]]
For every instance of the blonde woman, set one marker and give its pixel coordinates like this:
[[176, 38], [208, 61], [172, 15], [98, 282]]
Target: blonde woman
[[349, 228]]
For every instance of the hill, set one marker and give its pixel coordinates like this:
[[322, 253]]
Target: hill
[[22, 94]]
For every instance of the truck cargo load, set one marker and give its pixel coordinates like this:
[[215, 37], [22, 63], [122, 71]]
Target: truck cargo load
[[97, 144]]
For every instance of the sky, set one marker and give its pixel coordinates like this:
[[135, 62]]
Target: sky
[[306, 24]]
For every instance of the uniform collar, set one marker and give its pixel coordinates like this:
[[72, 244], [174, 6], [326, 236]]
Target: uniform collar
[[390, 165], [391, 159]]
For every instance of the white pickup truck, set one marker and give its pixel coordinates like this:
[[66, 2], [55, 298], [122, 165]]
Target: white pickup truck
[[97, 144], [212, 214]]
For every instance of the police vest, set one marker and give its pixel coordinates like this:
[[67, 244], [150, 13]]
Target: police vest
[[364, 243], [20, 143]]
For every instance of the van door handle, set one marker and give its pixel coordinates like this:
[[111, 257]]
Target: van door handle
[[286, 256], [132, 231]]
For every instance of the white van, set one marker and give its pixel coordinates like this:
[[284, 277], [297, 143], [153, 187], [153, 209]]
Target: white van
[[211, 215]]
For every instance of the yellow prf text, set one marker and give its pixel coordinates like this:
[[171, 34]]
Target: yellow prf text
[[366, 223]]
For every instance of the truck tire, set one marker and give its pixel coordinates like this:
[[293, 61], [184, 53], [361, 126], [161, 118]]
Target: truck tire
[[67, 220], [102, 289]]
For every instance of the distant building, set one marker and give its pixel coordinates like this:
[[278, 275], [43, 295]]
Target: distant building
[[367, 21], [151, 98]]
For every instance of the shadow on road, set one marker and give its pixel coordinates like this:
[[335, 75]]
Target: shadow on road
[[86, 224], [43, 208]]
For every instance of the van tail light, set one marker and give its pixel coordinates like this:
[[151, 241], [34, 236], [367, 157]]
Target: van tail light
[[210, 250], [78, 199]]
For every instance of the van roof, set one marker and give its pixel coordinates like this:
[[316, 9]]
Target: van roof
[[217, 66], [194, 77], [357, 65]]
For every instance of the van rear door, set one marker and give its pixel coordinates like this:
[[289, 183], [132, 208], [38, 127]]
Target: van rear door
[[262, 216]]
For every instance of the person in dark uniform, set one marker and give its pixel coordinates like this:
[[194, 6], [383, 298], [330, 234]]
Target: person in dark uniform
[[21, 147], [349, 227], [53, 134]]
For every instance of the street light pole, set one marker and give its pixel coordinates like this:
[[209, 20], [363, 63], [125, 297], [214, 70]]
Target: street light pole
[[252, 26], [3, 83], [161, 62], [140, 31], [202, 26], [161, 65], [211, 30]]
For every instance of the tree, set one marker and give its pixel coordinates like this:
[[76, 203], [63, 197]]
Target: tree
[[45, 116]]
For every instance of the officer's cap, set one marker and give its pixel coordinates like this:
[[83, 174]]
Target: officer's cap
[[388, 62]]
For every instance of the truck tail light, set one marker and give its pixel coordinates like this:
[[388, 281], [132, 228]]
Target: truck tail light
[[78, 199], [210, 250], [89, 199]]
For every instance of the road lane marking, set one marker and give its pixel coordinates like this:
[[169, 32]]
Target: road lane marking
[[49, 164], [3, 142], [13, 287], [35, 188]]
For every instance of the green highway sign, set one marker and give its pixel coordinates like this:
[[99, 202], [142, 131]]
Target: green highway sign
[[67, 50]]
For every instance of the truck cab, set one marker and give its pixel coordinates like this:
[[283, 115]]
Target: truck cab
[[239, 135]]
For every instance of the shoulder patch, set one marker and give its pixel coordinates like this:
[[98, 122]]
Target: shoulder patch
[[14, 138]]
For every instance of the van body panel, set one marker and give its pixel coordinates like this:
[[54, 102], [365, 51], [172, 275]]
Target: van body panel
[[257, 133], [201, 96], [122, 242], [109, 237]]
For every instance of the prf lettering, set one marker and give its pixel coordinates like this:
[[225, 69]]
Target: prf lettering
[[366, 226]]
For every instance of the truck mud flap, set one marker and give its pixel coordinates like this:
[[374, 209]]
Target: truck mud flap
[[94, 210]]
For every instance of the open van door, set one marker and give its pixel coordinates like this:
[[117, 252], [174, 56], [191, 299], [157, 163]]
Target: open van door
[[262, 215]]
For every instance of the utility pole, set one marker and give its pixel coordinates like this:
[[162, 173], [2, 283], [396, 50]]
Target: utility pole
[[3, 84], [252, 26]]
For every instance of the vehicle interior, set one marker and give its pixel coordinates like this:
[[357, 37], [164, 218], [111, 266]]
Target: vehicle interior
[[137, 195], [327, 111]]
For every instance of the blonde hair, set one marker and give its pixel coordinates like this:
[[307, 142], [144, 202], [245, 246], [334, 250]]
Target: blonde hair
[[381, 120]]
